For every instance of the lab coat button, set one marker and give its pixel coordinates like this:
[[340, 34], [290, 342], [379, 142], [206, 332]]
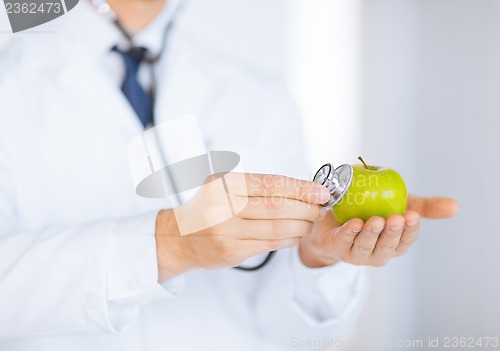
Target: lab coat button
[[93, 301]]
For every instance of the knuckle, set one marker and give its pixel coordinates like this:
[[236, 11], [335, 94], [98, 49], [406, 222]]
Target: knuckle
[[253, 202], [364, 248], [319, 212], [341, 234], [346, 241], [272, 204], [389, 248], [392, 235], [306, 193], [302, 192], [277, 228]]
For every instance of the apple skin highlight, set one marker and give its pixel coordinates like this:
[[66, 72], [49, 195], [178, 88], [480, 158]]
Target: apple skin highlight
[[374, 191]]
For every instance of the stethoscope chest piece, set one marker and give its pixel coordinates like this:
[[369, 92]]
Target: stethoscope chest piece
[[336, 180]]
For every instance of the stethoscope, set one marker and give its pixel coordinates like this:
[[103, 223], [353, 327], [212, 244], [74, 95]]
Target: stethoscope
[[147, 58], [337, 180], [151, 61]]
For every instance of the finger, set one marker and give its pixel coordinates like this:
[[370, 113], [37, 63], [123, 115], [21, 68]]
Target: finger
[[367, 239], [280, 208], [433, 207], [244, 249], [344, 236], [250, 248], [410, 233], [279, 186], [388, 240], [276, 229]]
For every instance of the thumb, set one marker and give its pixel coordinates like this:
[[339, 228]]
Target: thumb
[[433, 207]]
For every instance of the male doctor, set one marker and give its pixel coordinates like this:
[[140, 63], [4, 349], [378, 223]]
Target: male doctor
[[86, 264]]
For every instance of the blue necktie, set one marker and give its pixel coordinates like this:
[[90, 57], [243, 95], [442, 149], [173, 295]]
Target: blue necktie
[[139, 99]]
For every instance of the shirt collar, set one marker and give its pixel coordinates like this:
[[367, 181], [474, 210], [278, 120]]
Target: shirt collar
[[152, 36], [102, 34]]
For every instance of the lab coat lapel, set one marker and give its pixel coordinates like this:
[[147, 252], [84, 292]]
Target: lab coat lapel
[[84, 72], [186, 88], [99, 96]]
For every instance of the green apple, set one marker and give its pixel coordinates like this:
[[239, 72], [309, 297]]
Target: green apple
[[374, 191]]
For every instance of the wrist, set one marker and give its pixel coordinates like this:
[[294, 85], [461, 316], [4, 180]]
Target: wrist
[[169, 246], [313, 259]]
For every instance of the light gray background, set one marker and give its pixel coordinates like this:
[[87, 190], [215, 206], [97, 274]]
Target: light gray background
[[431, 74]]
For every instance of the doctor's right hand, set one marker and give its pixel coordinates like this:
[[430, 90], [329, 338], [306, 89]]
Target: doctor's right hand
[[269, 212]]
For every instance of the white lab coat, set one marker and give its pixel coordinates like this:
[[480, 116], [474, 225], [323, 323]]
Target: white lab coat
[[78, 266]]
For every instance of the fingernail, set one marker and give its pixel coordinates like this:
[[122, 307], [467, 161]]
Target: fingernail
[[396, 228], [412, 223], [376, 230], [355, 231]]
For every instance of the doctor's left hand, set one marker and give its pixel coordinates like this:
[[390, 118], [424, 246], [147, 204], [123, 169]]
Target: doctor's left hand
[[374, 242]]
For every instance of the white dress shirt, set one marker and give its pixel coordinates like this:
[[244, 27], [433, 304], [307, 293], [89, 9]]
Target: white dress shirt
[[78, 267]]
